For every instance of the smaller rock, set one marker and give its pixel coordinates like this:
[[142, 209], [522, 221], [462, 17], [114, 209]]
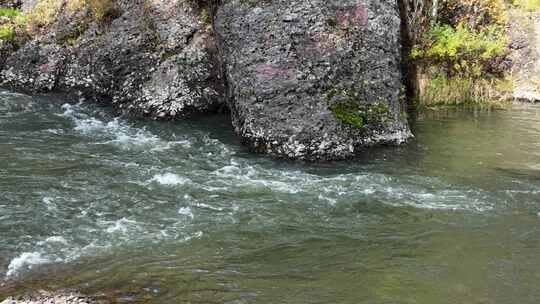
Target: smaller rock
[[527, 96], [519, 43], [45, 297], [290, 18]]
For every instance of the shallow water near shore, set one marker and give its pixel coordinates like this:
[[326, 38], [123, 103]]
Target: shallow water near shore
[[157, 212]]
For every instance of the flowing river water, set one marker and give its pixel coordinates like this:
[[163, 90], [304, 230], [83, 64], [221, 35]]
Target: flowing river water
[[155, 212]]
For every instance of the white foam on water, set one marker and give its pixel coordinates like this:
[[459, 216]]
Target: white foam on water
[[171, 144], [55, 131], [49, 203], [91, 125], [186, 211], [206, 206], [69, 110], [120, 226], [416, 191], [398, 191], [278, 186], [330, 200], [25, 260], [249, 176], [196, 235], [119, 132], [169, 179], [53, 240], [57, 239], [220, 149]]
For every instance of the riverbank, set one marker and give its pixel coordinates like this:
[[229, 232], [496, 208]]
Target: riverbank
[[479, 53], [44, 297]]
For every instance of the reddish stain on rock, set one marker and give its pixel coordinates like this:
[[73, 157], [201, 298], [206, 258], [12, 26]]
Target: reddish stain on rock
[[270, 71], [321, 44], [358, 16], [361, 15], [46, 68]]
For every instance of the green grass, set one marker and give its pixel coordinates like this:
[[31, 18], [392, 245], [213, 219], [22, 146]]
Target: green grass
[[462, 50], [104, 9], [7, 32], [11, 13], [459, 91], [528, 5], [44, 13]]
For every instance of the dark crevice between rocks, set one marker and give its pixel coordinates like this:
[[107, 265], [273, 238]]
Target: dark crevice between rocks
[[408, 68], [212, 7]]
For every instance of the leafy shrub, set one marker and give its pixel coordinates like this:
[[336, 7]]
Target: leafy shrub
[[475, 14], [15, 24], [7, 32], [460, 55], [11, 13], [75, 5], [462, 51], [103, 9], [44, 13], [528, 5]]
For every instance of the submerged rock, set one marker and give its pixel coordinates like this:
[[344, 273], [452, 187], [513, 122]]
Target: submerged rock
[[313, 79], [44, 297]]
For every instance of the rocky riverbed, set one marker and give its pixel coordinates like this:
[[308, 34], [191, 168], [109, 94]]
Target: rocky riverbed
[[44, 297]]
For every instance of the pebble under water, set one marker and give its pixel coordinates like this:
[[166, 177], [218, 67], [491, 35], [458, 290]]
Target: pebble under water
[[163, 212]]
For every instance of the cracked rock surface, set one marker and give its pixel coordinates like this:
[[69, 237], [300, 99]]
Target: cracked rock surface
[[288, 63], [524, 34], [155, 58]]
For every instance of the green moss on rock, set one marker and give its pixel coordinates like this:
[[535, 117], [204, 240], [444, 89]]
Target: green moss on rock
[[347, 108], [349, 114], [360, 116], [7, 32]]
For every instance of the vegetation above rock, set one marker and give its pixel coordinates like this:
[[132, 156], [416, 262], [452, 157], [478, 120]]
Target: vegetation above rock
[[528, 5], [461, 50], [12, 22], [463, 44]]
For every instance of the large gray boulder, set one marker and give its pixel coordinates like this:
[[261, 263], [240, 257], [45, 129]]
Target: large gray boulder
[[152, 58], [313, 79]]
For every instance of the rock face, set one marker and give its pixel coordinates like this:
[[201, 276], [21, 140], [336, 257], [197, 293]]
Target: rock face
[[154, 58], [313, 79], [11, 3], [524, 34]]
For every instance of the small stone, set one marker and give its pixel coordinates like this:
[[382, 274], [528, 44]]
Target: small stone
[[290, 18]]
